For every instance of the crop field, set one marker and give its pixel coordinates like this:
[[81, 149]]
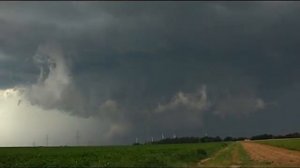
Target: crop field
[[293, 143], [267, 153], [109, 156]]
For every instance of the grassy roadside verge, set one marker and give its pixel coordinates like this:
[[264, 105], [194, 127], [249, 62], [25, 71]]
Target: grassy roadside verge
[[233, 154]]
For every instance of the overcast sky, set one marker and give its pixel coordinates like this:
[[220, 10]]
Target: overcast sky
[[117, 71]]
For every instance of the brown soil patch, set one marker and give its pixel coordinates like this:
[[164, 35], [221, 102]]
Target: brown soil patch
[[274, 155]]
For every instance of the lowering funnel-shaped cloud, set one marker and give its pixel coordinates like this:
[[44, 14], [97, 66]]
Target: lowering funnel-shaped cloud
[[52, 84]]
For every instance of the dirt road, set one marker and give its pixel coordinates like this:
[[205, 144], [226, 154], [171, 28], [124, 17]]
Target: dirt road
[[273, 155]]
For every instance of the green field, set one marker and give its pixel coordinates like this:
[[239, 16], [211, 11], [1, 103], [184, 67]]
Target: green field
[[109, 156], [171, 155], [293, 143]]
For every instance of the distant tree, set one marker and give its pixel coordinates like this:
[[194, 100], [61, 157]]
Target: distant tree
[[240, 138], [293, 135], [136, 143], [262, 136], [211, 139], [179, 140], [228, 139]]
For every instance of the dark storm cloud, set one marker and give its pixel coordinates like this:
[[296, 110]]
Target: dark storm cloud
[[126, 60]]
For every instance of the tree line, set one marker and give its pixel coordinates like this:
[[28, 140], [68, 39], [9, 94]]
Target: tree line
[[180, 140]]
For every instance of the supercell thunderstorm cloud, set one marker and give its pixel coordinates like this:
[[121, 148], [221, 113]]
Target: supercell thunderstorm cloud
[[110, 72]]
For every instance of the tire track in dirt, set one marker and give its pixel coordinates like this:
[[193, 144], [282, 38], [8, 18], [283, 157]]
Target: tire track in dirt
[[274, 155], [215, 155], [235, 157], [226, 157]]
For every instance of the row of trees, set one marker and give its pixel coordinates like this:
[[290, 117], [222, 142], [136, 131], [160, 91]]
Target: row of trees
[[187, 140], [270, 136], [179, 140]]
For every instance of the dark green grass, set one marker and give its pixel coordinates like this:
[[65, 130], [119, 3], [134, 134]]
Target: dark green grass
[[108, 156], [292, 143]]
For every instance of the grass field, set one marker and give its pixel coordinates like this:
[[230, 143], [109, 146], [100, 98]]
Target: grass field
[[108, 156], [233, 154], [293, 143]]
